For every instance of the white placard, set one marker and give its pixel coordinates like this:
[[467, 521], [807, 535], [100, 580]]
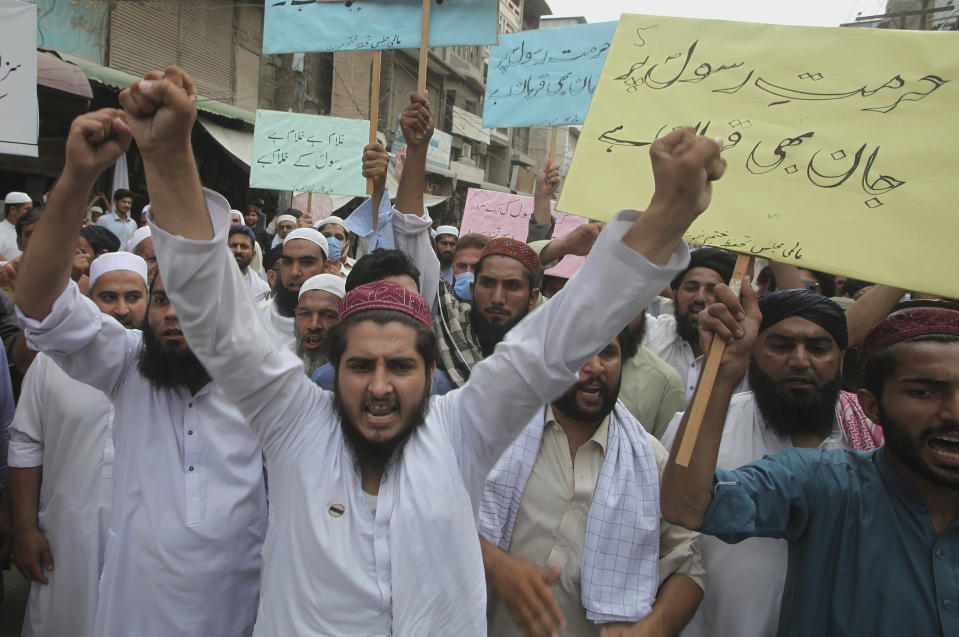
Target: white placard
[[19, 115]]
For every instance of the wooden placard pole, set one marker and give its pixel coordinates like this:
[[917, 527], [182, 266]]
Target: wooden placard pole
[[707, 379], [309, 203], [424, 49], [552, 145], [374, 105]]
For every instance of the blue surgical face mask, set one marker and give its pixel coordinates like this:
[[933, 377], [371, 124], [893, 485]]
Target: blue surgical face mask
[[462, 286], [336, 248]]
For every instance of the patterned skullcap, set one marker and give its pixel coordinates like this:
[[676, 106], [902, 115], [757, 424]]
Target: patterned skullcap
[[385, 295], [514, 250], [915, 321]]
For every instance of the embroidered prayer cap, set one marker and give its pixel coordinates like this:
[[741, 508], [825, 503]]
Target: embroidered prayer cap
[[138, 236], [309, 234], [935, 318], [328, 220], [447, 230], [242, 228], [112, 261], [15, 197], [325, 282], [719, 261], [514, 250], [812, 306], [385, 295], [283, 218]]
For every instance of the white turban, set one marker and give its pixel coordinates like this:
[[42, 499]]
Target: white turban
[[448, 230], [310, 235], [117, 261], [283, 218], [138, 236], [326, 282], [234, 213]]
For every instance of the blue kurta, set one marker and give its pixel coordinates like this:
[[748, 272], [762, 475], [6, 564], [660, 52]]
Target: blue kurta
[[864, 558]]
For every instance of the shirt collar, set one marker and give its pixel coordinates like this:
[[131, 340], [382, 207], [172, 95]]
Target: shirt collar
[[600, 436]]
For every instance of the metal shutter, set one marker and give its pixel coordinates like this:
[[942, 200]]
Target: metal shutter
[[195, 34]]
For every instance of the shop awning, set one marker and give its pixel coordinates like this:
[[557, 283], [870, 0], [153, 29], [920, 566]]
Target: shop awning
[[58, 74], [488, 185], [118, 79], [238, 143]]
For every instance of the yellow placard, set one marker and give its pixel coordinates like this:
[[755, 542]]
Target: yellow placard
[[839, 142]]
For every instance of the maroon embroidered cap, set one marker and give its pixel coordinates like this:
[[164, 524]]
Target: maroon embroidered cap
[[385, 295], [514, 250]]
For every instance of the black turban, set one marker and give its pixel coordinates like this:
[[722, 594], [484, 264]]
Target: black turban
[[812, 306], [720, 261]]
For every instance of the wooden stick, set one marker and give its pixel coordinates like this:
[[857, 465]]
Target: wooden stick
[[309, 203], [424, 48], [552, 145], [374, 105], [708, 378]]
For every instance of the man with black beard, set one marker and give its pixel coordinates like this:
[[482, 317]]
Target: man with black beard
[[189, 509], [795, 401], [445, 239], [584, 456], [392, 548], [674, 337], [304, 255], [242, 244], [872, 536], [504, 291]]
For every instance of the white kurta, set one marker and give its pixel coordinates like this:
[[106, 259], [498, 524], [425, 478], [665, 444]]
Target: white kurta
[[8, 241], [258, 288], [67, 428], [663, 339], [189, 504], [415, 568], [744, 581], [280, 329]]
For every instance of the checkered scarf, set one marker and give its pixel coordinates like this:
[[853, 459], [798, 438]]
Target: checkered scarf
[[620, 568], [458, 346]]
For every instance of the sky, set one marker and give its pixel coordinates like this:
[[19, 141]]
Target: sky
[[826, 13]]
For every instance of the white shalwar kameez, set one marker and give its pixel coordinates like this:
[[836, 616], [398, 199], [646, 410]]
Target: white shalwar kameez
[[330, 567], [67, 428], [189, 503]]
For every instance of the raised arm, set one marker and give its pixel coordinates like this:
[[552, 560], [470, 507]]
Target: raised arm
[[871, 308], [417, 124], [541, 221], [94, 142], [686, 491], [197, 268]]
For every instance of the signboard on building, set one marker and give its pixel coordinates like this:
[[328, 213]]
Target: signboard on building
[[469, 125]]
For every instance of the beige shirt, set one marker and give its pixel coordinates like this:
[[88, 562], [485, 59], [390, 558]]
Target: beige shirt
[[550, 528]]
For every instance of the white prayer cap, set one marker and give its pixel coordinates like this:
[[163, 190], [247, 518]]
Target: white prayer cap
[[448, 230], [117, 261], [328, 220], [283, 218], [310, 235], [138, 236], [15, 197], [96, 209], [326, 282], [234, 213], [432, 233]]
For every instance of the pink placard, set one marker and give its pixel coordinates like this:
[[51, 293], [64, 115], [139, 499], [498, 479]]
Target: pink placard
[[499, 214], [321, 204]]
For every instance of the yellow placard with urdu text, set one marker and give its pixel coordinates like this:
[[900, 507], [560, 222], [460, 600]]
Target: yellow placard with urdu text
[[840, 143]]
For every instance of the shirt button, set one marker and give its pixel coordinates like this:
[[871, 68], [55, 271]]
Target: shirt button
[[940, 554], [190, 405], [191, 468], [947, 604], [189, 433]]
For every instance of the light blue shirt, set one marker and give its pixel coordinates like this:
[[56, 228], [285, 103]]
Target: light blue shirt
[[864, 558], [122, 229]]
